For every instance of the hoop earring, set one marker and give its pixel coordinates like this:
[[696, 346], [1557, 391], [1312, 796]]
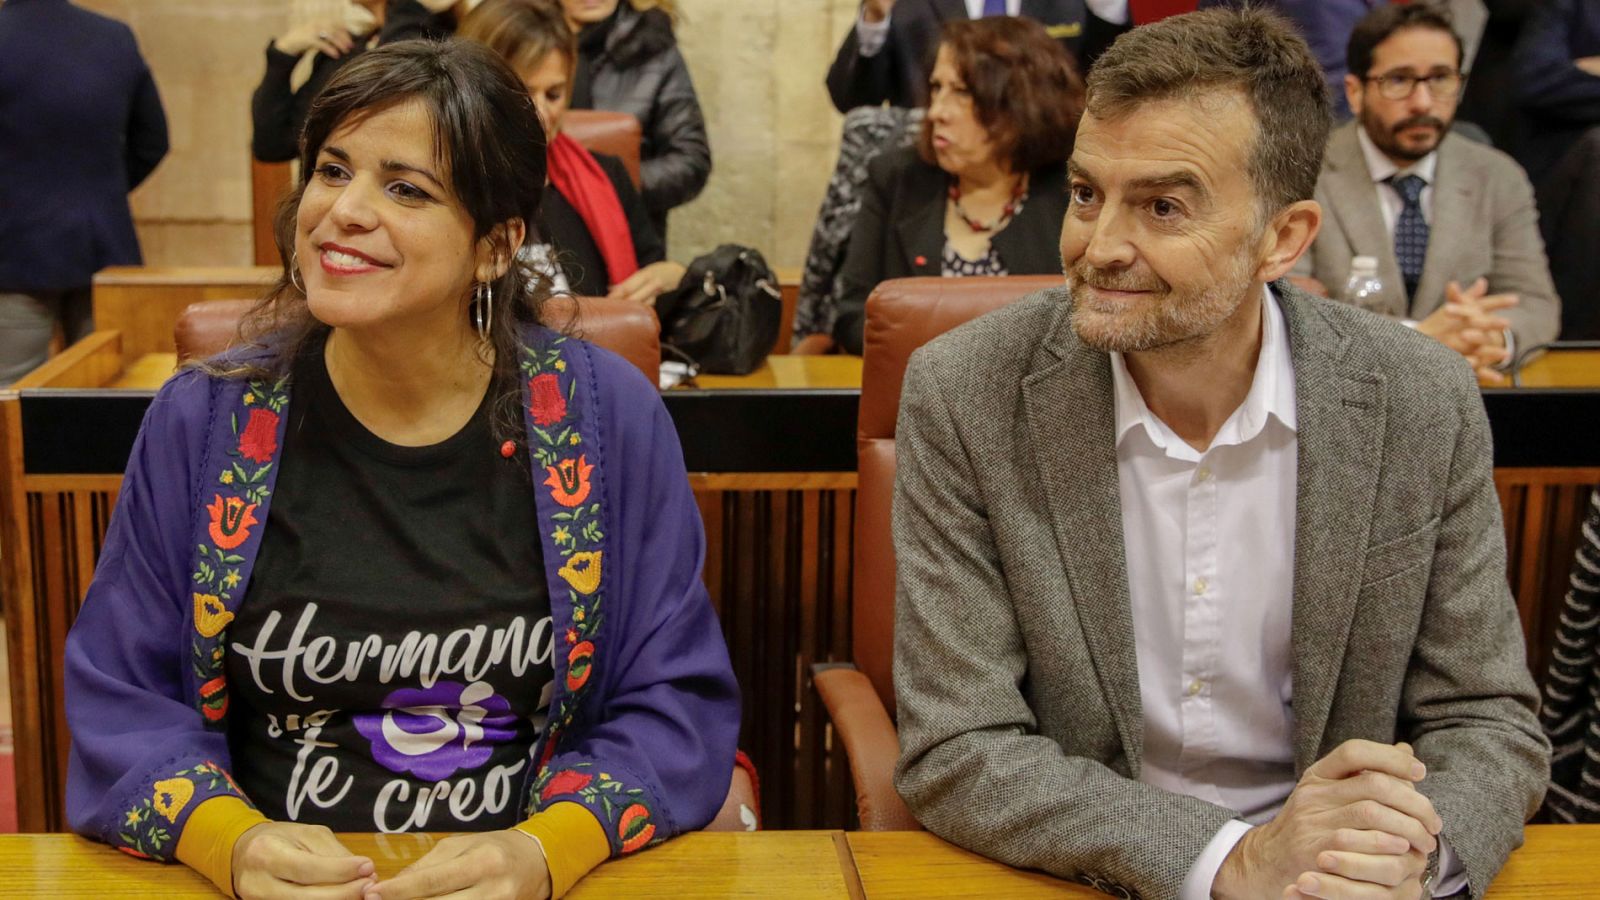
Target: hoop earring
[[294, 271], [483, 309]]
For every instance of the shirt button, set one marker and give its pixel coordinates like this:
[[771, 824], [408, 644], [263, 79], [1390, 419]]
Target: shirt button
[[1199, 586], [1203, 475], [1195, 687]]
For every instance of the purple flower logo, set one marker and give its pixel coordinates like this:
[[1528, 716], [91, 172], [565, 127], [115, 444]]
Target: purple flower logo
[[435, 732]]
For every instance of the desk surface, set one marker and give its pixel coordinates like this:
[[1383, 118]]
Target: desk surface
[[1573, 368], [1557, 863], [789, 864]]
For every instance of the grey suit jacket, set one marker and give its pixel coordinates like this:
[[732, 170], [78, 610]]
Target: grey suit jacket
[[1484, 224], [1021, 732]]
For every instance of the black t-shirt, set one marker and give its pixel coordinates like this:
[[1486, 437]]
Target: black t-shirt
[[390, 664], [578, 254]]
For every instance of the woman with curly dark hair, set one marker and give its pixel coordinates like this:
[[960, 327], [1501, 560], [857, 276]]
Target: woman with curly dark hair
[[984, 191], [405, 560]]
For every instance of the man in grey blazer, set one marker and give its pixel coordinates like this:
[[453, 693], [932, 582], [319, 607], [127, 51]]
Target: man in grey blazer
[[1451, 222], [1201, 579]]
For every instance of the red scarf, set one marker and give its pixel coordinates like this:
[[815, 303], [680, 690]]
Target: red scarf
[[577, 176]]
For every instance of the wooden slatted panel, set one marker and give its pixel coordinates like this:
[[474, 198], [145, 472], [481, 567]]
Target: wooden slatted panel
[[1543, 509]]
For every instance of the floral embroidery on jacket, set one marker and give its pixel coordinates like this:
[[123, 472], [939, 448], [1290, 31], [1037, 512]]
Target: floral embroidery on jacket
[[147, 827], [575, 529], [237, 490]]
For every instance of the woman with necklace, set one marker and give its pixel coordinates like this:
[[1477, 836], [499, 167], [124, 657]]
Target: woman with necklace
[[984, 190]]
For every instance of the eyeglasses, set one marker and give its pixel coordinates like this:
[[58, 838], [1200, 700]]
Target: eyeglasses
[[1400, 85]]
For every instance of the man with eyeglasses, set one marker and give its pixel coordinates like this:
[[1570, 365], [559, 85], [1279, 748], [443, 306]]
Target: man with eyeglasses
[[1451, 222]]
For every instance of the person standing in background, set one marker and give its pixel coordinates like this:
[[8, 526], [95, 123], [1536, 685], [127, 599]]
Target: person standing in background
[[277, 110], [628, 61], [81, 125], [1326, 26], [887, 56]]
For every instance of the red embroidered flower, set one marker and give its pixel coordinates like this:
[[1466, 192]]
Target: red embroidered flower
[[214, 699], [134, 853], [230, 521], [572, 636], [569, 481], [569, 781], [260, 438], [549, 749], [634, 828], [545, 401], [579, 659]]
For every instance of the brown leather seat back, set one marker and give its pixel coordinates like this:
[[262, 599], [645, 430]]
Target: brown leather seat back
[[627, 329], [902, 315], [602, 131]]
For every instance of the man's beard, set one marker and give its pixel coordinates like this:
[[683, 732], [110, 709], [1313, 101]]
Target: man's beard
[[1159, 319], [1387, 139]]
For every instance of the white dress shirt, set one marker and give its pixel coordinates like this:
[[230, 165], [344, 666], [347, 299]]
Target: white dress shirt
[[1209, 538], [871, 36]]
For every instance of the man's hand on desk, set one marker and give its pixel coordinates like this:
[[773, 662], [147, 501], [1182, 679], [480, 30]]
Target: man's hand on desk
[[501, 864], [1354, 827], [1467, 323], [284, 859]]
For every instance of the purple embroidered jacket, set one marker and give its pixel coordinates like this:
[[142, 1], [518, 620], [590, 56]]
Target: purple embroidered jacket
[[646, 712]]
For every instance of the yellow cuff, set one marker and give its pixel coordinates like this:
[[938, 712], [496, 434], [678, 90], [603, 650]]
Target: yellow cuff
[[206, 844], [573, 843]]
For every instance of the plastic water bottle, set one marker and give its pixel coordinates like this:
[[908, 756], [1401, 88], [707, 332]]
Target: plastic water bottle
[[1364, 287]]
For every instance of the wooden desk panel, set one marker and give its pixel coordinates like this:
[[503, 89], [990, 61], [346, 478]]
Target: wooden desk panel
[[789, 864], [1558, 862], [1563, 368]]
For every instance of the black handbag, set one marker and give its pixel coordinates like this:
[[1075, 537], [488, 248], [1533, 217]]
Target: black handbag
[[725, 314]]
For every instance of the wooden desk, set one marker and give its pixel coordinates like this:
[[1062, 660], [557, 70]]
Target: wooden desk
[[1557, 863], [789, 864], [792, 373], [1563, 368]]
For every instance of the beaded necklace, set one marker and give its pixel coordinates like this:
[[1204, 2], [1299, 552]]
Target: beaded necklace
[[1010, 209]]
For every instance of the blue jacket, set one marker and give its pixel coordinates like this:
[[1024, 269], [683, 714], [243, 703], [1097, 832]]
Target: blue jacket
[[81, 124], [645, 714]]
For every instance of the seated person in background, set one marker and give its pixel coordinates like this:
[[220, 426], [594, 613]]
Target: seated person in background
[[885, 57], [1201, 580], [1478, 282], [354, 580], [277, 111], [628, 61], [983, 190], [593, 236]]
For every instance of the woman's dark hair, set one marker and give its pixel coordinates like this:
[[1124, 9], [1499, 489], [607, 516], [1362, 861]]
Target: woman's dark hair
[[1382, 22], [486, 134], [1025, 89]]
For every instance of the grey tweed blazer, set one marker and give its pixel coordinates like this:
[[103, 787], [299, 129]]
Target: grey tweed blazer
[[1484, 224], [1020, 725]]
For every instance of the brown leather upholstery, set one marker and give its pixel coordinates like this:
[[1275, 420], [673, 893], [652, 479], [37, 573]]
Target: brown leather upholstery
[[902, 315], [629, 330], [602, 131]]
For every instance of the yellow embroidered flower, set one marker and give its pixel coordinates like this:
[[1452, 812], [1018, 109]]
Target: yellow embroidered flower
[[210, 616], [561, 365], [231, 579], [132, 817], [582, 571], [172, 796], [577, 615], [574, 440], [561, 535], [249, 399], [227, 477]]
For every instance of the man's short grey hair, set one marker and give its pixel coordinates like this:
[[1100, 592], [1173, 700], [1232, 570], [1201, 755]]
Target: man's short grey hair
[[1249, 50]]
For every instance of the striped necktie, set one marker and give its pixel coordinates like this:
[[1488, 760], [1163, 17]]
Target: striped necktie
[[1410, 230]]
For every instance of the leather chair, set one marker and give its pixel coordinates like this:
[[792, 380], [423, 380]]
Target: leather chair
[[902, 315], [628, 329], [602, 131]]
